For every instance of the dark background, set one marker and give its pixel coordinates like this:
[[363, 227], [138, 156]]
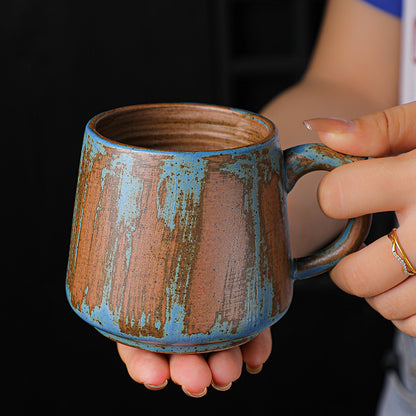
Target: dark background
[[64, 62]]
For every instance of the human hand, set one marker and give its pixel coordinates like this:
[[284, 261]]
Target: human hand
[[195, 372], [385, 183]]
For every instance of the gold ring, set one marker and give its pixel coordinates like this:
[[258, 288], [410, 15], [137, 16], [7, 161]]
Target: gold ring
[[400, 255]]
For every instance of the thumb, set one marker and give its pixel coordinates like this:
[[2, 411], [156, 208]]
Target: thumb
[[388, 132]]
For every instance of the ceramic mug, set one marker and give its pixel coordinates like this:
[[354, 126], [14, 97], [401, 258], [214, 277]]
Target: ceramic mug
[[180, 233]]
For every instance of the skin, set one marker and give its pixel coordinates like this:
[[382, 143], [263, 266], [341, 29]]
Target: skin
[[353, 71], [193, 372], [389, 137]]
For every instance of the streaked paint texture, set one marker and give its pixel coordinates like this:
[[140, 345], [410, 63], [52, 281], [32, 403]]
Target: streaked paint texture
[[180, 240]]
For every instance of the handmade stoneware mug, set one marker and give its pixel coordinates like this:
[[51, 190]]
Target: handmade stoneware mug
[[180, 233]]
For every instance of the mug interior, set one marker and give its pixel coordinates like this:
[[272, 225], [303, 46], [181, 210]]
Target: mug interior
[[182, 127]]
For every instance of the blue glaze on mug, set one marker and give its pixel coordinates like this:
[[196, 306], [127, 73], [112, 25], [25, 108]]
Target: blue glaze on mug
[[188, 251]]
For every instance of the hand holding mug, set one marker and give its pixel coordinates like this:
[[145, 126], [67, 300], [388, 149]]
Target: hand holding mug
[[386, 182]]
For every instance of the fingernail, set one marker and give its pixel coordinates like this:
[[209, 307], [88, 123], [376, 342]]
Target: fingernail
[[330, 125], [194, 395], [222, 388], [156, 387], [254, 370]]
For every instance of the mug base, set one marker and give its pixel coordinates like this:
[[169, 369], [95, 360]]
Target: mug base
[[179, 348]]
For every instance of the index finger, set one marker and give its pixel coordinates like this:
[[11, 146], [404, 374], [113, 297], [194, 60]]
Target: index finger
[[388, 132]]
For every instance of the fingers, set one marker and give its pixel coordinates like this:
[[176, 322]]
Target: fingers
[[384, 184], [153, 370], [192, 372], [256, 352], [369, 186], [370, 271], [397, 303], [145, 367], [374, 273], [225, 367], [222, 368], [379, 134], [408, 326]]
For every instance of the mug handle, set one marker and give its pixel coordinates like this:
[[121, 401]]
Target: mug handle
[[299, 161]]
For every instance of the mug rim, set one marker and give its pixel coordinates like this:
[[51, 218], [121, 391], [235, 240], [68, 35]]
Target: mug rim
[[272, 132]]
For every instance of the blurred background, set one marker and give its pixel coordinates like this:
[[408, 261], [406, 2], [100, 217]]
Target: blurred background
[[67, 60]]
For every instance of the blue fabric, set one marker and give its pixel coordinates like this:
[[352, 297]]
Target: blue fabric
[[390, 6]]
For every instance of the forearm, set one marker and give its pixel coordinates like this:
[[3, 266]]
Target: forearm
[[353, 71]]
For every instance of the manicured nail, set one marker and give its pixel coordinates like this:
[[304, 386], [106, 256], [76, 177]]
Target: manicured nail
[[194, 395], [254, 370], [330, 125], [155, 387], [222, 388]]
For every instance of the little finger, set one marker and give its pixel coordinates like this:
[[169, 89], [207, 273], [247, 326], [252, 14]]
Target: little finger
[[408, 325], [397, 303], [257, 351]]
